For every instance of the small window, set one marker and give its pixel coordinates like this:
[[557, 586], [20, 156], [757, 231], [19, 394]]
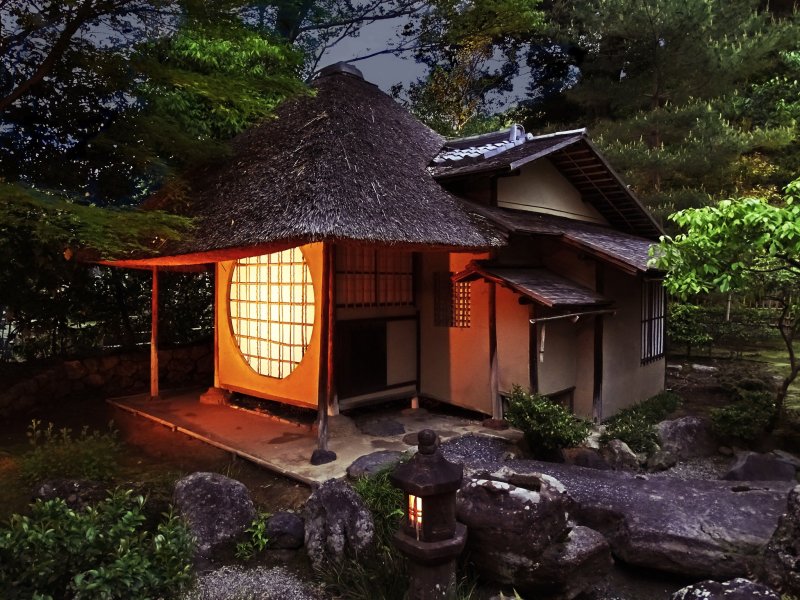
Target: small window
[[653, 309], [369, 277], [451, 301]]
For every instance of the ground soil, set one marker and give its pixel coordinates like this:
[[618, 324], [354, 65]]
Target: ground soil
[[152, 454]]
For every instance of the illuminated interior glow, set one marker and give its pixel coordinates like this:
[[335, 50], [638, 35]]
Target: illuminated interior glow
[[271, 302], [415, 512]]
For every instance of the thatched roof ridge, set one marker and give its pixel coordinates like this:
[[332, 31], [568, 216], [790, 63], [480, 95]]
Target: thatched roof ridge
[[345, 164]]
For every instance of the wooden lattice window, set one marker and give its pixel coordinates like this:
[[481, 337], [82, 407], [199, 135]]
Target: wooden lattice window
[[653, 320], [271, 300], [367, 276], [451, 301]]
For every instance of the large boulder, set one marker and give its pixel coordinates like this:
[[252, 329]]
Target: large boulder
[[620, 456], [286, 531], [338, 523], [520, 536], [736, 589], [585, 457], [782, 554], [687, 437], [372, 464], [694, 528], [217, 509], [751, 466]]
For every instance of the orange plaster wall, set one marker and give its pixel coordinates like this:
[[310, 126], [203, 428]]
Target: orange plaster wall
[[300, 387], [455, 361]]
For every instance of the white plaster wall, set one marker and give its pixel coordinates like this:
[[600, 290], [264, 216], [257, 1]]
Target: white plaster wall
[[540, 187], [513, 336], [625, 380]]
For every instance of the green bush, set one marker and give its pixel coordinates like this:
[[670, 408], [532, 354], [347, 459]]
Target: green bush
[[547, 426], [633, 428], [257, 538], [57, 453], [101, 552], [747, 418], [635, 425]]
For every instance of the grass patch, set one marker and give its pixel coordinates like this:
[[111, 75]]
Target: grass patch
[[58, 453]]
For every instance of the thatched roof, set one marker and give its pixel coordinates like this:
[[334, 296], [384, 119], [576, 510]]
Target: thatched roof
[[345, 164], [629, 252], [571, 152]]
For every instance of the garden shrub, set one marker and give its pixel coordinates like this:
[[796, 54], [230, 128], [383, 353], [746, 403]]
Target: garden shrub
[[745, 419], [57, 453], [635, 425], [257, 538], [547, 426], [100, 552]]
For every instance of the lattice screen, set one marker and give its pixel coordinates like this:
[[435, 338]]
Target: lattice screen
[[271, 302], [369, 277], [451, 301]]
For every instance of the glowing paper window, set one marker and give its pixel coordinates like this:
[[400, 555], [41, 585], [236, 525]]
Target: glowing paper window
[[369, 277], [271, 301]]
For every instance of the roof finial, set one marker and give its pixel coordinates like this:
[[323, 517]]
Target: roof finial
[[339, 68]]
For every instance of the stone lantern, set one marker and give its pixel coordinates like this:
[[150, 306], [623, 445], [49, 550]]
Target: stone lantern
[[429, 536]]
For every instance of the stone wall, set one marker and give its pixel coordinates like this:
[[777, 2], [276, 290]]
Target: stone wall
[[109, 375]]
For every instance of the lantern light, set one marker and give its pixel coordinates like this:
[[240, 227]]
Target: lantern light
[[429, 535]]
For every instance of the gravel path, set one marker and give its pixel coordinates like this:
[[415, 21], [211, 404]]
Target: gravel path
[[236, 583]]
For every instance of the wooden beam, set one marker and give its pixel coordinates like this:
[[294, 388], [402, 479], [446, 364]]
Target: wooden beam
[[154, 337], [497, 406]]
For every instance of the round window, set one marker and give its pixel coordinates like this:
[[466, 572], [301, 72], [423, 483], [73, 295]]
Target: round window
[[271, 301]]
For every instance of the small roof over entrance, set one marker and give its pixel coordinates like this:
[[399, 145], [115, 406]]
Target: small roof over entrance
[[538, 284]]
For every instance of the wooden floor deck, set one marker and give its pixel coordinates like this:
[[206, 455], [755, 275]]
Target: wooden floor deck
[[285, 447]]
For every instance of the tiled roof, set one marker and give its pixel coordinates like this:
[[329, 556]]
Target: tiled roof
[[541, 285], [628, 251], [493, 151], [576, 158]]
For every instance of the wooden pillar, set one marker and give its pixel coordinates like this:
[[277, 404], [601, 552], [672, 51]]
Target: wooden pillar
[[217, 269], [326, 391], [154, 337], [533, 352], [597, 391], [331, 398], [497, 406]]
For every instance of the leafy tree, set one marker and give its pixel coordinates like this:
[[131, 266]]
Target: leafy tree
[[472, 54], [130, 93], [740, 245], [666, 104]]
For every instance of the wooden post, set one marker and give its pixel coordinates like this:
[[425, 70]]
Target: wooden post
[[597, 391], [331, 399], [154, 338], [497, 407], [325, 385], [533, 353]]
